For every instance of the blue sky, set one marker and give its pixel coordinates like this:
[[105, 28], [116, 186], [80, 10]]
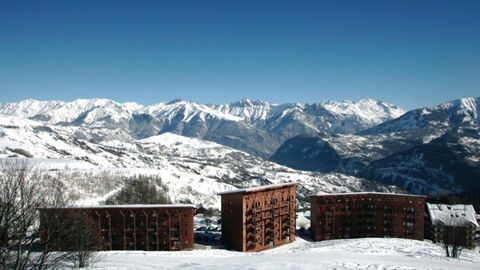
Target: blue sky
[[409, 53]]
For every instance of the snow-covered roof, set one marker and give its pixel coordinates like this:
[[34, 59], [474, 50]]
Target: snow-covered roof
[[130, 206], [255, 189], [368, 193], [452, 215]]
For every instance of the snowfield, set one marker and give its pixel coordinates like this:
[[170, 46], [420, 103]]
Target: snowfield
[[194, 170], [363, 253]]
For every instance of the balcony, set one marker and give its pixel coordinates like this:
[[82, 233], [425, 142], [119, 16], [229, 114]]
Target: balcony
[[410, 217], [175, 235]]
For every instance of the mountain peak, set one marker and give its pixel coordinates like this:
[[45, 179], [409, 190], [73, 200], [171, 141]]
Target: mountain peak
[[464, 109], [441, 118], [249, 102], [251, 125], [369, 109], [175, 101]]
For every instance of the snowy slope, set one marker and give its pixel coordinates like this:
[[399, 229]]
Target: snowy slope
[[369, 110], [85, 111], [349, 153], [447, 164], [424, 151], [444, 117], [254, 126], [363, 253], [366, 110], [194, 170]]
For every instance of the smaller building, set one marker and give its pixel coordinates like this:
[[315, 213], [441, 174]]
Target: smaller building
[[125, 227], [451, 224], [258, 218], [367, 214]]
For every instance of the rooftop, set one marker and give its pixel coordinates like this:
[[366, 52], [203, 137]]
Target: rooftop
[[452, 215], [128, 206], [256, 189], [367, 193]]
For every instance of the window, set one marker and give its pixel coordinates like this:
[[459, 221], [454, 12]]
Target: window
[[176, 244]]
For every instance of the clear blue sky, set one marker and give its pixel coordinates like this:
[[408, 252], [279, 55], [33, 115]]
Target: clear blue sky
[[409, 53]]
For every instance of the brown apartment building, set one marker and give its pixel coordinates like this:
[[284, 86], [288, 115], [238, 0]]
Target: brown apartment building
[[353, 215], [255, 219], [133, 227]]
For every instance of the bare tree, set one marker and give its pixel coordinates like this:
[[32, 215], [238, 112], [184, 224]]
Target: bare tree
[[85, 241], [23, 192], [454, 240], [70, 231], [19, 200]]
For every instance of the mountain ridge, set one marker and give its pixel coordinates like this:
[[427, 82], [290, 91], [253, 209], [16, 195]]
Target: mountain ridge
[[194, 170], [257, 127], [389, 152]]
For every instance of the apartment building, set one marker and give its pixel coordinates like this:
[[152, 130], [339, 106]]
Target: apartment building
[[131, 227], [258, 218], [354, 215]]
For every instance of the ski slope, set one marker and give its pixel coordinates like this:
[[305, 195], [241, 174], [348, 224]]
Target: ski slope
[[362, 253]]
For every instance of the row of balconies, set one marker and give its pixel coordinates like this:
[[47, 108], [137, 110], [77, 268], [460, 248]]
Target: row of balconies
[[365, 215], [132, 226], [266, 205], [265, 215], [369, 207]]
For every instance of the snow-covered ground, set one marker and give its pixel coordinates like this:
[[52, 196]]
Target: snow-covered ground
[[193, 170], [363, 253]]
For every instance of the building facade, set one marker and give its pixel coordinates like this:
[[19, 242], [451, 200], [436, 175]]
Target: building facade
[[133, 227], [255, 219], [451, 224], [354, 215]]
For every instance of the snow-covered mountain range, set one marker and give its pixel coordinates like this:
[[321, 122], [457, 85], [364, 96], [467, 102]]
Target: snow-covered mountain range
[[253, 126], [193, 170], [425, 150], [367, 138]]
